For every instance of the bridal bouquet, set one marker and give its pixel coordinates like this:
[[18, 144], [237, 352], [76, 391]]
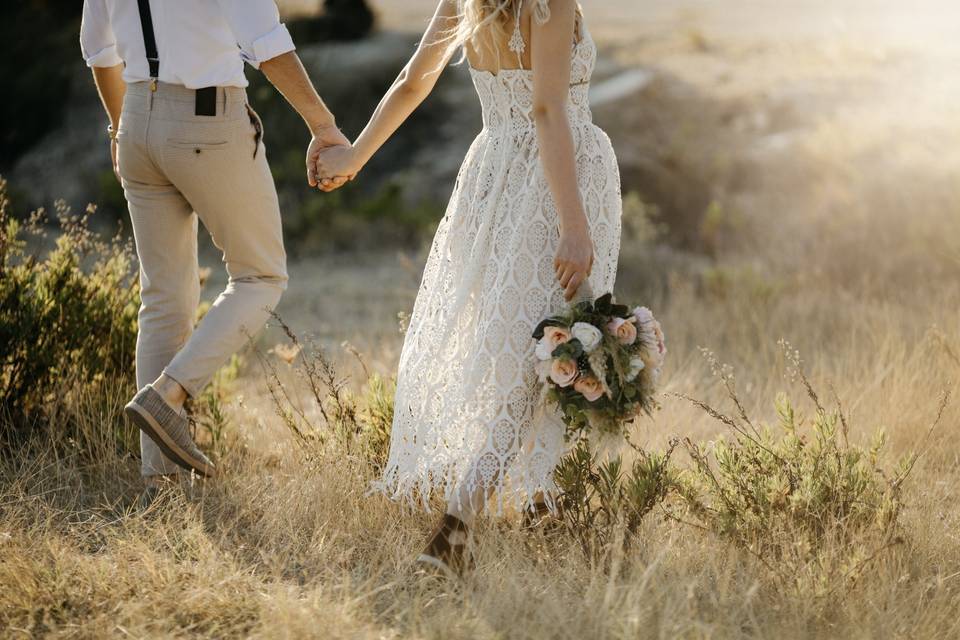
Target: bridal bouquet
[[600, 363]]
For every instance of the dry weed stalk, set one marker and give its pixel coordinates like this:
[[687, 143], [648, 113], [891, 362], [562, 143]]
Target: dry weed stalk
[[355, 426]]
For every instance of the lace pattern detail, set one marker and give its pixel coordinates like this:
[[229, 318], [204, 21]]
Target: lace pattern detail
[[516, 44], [469, 414]]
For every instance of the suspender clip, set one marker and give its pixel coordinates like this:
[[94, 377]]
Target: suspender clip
[[149, 45]]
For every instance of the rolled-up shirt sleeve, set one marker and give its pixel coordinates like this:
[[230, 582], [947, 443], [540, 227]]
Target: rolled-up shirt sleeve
[[257, 27], [97, 42]]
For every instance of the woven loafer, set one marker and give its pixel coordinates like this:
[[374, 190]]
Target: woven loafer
[[170, 430]]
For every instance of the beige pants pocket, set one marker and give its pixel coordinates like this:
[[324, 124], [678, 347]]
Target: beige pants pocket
[[202, 146]]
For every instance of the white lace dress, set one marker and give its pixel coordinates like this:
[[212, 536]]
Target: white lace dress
[[468, 413]]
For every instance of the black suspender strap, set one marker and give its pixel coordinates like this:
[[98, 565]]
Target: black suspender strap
[[149, 39], [206, 98]]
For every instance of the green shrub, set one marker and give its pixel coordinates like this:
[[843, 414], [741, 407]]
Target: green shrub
[[599, 499], [377, 416], [810, 505], [67, 320]]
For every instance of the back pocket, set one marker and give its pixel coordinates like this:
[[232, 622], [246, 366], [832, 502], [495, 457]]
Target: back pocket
[[198, 146]]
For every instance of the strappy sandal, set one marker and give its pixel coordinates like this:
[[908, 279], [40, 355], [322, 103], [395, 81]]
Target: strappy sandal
[[447, 549]]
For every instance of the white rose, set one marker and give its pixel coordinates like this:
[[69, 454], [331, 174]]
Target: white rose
[[588, 335], [544, 349], [636, 366]]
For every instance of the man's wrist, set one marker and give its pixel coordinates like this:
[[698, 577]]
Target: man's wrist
[[321, 125]]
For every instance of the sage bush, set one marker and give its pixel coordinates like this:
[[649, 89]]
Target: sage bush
[[810, 505], [68, 313]]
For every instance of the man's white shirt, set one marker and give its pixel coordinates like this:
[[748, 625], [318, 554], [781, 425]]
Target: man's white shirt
[[201, 43]]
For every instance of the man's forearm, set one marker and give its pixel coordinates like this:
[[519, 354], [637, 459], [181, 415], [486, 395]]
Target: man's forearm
[[287, 74], [112, 88]]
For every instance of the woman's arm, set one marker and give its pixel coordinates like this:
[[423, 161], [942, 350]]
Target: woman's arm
[[552, 47], [411, 87]]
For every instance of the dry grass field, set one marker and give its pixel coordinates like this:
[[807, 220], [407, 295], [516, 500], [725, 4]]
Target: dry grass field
[[824, 137]]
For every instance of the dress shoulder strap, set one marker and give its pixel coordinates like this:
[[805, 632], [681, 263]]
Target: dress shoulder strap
[[517, 44]]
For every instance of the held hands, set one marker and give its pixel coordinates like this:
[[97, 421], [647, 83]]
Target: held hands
[[574, 259], [325, 138], [338, 164]]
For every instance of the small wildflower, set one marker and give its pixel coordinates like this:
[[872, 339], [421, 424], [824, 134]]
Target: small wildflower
[[286, 352]]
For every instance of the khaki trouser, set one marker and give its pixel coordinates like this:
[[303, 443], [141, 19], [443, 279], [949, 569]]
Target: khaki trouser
[[176, 167]]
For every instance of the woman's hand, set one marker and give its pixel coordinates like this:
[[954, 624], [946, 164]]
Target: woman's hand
[[338, 162], [325, 136], [574, 259]]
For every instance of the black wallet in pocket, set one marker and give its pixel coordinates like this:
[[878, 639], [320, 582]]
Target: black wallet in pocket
[[206, 102]]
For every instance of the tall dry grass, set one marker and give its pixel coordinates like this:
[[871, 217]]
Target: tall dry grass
[[288, 545]]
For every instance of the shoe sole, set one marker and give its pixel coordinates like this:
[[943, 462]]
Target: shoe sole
[[146, 422]]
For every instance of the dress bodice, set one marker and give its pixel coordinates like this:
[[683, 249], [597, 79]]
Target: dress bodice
[[506, 97]]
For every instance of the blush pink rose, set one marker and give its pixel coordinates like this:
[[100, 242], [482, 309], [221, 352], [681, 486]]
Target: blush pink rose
[[589, 387], [556, 336], [625, 331], [563, 372]]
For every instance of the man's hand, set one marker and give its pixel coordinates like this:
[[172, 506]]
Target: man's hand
[[324, 138], [287, 74]]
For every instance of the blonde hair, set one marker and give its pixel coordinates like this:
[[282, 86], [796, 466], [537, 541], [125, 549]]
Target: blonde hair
[[482, 24]]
